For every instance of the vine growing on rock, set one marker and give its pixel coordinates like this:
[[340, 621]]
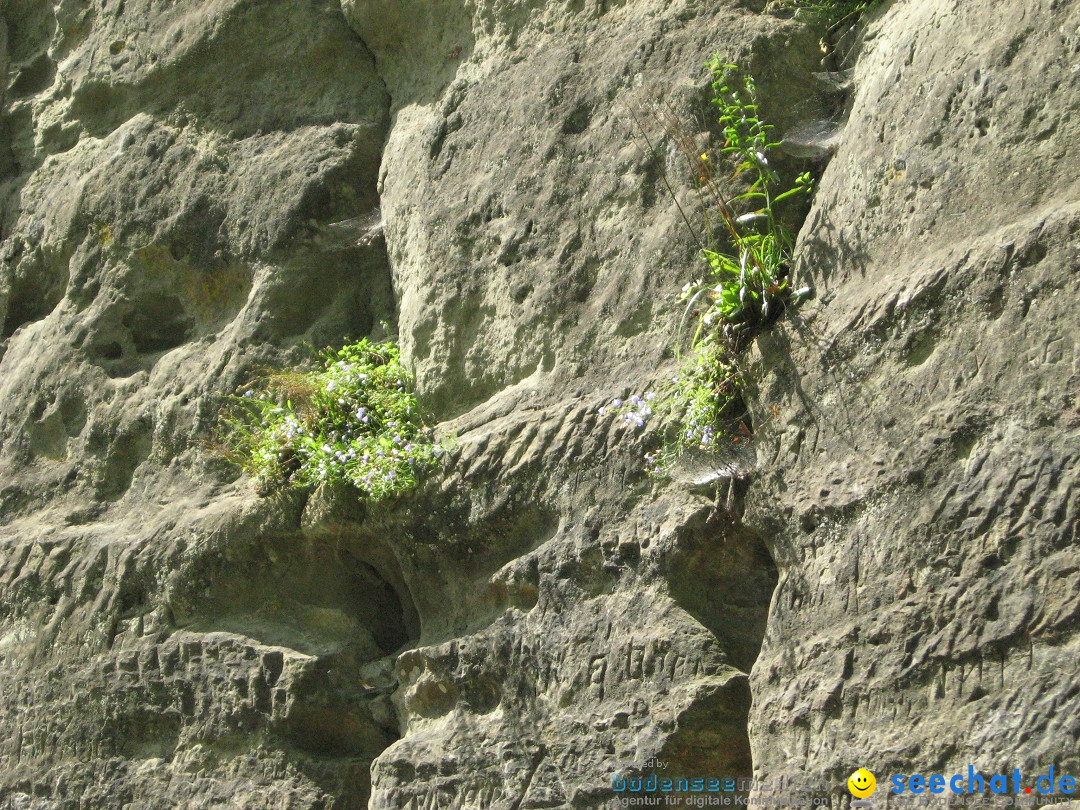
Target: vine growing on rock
[[354, 419], [746, 284]]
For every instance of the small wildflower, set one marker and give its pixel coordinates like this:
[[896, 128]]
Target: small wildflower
[[362, 443]]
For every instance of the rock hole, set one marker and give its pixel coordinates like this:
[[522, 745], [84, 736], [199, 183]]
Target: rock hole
[[111, 351], [34, 294], [34, 77], [722, 574], [158, 324], [578, 121], [332, 622]]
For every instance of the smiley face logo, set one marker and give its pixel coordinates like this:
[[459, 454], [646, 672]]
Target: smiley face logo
[[862, 783]]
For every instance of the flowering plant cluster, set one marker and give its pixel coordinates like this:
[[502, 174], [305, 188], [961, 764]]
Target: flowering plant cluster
[[702, 404], [353, 420], [747, 282], [634, 411]]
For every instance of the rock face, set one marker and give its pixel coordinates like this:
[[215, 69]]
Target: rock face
[[922, 504], [886, 576]]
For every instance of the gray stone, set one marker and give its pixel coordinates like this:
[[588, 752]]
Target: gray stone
[[884, 574]]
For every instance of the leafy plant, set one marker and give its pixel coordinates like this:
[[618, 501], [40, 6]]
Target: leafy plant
[[354, 419], [747, 282]]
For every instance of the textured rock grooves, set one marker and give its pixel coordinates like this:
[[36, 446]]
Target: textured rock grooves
[[183, 189], [183, 186]]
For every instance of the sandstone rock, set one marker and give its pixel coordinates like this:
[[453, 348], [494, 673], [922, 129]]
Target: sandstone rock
[[191, 192], [923, 508]]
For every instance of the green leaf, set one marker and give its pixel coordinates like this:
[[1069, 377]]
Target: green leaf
[[791, 192]]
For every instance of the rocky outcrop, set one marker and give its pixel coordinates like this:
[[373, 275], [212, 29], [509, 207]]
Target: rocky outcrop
[[921, 502], [184, 189], [171, 173]]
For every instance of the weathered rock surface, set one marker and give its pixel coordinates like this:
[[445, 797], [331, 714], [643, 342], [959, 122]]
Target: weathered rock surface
[[542, 614], [919, 490]]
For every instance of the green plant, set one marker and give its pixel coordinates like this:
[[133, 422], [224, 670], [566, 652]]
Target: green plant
[[747, 283], [706, 402], [353, 419]]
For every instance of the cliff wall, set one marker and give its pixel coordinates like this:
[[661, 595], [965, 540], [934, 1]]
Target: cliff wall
[[884, 574]]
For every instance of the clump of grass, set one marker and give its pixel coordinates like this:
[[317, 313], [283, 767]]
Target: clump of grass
[[353, 419]]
